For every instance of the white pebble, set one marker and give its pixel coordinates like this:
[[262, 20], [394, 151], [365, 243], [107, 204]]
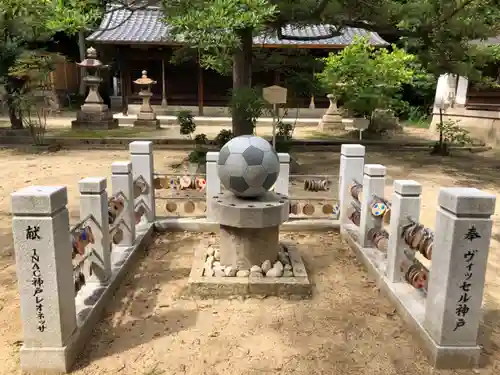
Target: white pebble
[[217, 254], [274, 272], [230, 271], [266, 266], [278, 265], [243, 273], [255, 269]]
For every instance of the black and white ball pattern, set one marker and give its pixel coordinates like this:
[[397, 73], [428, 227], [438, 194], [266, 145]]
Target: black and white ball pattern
[[248, 166]]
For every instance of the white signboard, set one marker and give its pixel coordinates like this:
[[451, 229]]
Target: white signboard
[[274, 94]]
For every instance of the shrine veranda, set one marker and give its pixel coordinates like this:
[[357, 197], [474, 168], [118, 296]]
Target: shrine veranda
[[117, 223]]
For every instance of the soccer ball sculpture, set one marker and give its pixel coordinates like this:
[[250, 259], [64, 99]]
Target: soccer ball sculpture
[[248, 166]]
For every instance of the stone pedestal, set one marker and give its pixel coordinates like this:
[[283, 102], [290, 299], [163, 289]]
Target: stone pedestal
[[244, 247], [249, 229], [146, 116], [94, 116], [332, 120]]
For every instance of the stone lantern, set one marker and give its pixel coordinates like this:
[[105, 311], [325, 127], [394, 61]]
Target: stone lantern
[[146, 116], [93, 114], [332, 119]]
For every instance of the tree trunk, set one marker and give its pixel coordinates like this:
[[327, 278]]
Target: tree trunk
[[16, 121], [242, 78], [81, 48]]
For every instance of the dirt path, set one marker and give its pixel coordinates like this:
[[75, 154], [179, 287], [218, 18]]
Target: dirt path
[[347, 328]]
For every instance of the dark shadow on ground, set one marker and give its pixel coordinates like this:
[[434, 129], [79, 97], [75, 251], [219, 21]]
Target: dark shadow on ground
[[135, 311]]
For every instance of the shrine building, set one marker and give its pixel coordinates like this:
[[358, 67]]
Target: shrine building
[[139, 40]]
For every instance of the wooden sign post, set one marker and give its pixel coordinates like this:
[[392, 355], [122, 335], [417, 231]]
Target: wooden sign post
[[275, 95]]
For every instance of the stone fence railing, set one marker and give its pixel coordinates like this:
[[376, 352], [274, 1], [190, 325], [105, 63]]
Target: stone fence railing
[[436, 277], [64, 283]]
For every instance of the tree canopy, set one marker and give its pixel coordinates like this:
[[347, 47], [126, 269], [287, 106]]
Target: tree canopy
[[438, 32]]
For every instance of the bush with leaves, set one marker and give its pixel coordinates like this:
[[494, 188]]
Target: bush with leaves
[[224, 136], [450, 133], [364, 78], [248, 103], [284, 136], [186, 123]]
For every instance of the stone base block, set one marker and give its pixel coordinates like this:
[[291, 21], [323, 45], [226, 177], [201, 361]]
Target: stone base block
[[154, 124], [244, 247], [100, 118], [330, 122], [410, 304], [99, 124], [223, 287]]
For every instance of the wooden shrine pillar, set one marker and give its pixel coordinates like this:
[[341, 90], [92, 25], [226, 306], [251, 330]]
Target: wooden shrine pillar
[[125, 79], [277, 77], [200, 87]]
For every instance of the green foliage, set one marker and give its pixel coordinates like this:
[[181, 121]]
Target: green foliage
[[224, 136], [284, 135], [197, 156], [71, 16], [451, 133], [212, 26], [186, 123], [200, 140], [248, 103], [365, 78]]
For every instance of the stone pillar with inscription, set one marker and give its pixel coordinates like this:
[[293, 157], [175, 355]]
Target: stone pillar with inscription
[[146, 116], [93, 114], [455, 291], [42, 244], [332, 119]]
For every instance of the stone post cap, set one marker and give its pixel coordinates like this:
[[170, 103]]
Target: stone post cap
[[39, 200], [352, 151], [140, 147], [92, 185], [375, 170], [467, 201], [121, 167], [212, 156], [407, 187], [284, 157]]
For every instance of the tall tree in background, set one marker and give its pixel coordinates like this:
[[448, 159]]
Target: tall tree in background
[[438, 31], [23, 29]]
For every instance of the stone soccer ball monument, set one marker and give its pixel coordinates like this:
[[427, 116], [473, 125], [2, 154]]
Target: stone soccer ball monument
[[248, 166], [248, 213]]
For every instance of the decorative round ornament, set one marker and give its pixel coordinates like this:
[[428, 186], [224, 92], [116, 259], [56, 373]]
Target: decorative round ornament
[[378, 209], [185, 182]]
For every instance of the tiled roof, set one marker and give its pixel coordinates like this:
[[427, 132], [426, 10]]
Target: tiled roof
[[146, 26]]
